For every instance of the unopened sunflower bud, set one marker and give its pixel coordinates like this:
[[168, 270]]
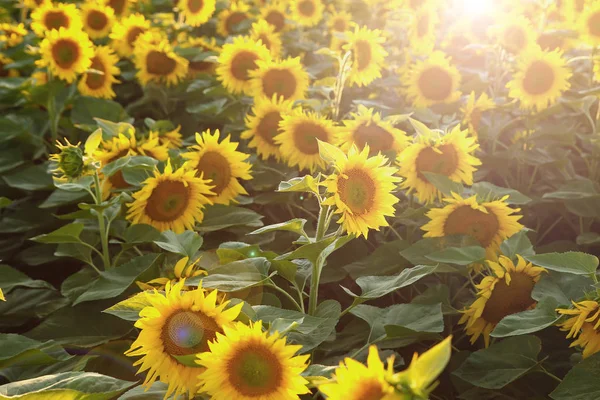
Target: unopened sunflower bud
[[70, 162]]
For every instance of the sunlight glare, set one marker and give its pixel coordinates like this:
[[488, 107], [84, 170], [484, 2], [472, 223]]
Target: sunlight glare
[[476, 7]]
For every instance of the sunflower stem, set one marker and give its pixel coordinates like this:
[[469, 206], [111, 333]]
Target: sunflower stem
[[316, 273], [101, 224]]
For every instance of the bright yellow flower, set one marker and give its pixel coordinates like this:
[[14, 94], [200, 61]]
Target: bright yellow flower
[[275, 14], [236, 61], [99, 84], [182, 270], [205, 44], [515, 33], [12, 34], [368, 55], [422, 32], [307, 13], [473, 110], [283, 78], [66, 53], [156, 61], [589, 24], [7, 72], [126, 31], [52, 17], [121, 8], [583, 325], [230, 18], [265, 32], [197, 12], [432, 81], [98, 19]]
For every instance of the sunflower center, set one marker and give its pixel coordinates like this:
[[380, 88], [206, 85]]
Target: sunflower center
[[514, 38], [363, 54], [95, 80], [265, 41], [159, 63], [435, 83], [375, 136], [116, 179], [467, 221], [233, 20], [306, 135], [539, 78], [509, 299], [188, 332], [357, 191], [242, 63], [215, 167], [3, 71], [97, 20], [195, 5], [200, 66], [370, 390], [307, 8], [594, 24], [268, 127], [430, 160], [339, 25], [548, 41], [423, 25], [168, 201], [279, 81], [476, 118], [56, 20], [133, 34], [65, 53], [255, 371], [276, 19], [118, 6]]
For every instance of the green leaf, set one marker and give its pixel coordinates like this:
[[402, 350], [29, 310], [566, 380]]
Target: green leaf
[[61, 197], [458, 255], [12, 278], [86, 109], [235, 276], [306, 183], [519, 244], [588, 239], [530, 321], [157, 391], [218, 217], [66, 386], [385, 257], [330, 153], [327, 251], [186, 244], [129, 309], [582, 382], [65, 234], [570, 262], [78, 251], [295, 225], [374, 287], [141, 233], [17, 350], [501, 363], [5, 202], [33, 177], [115, 281], [486, 190], [420, 128], [444, 184]]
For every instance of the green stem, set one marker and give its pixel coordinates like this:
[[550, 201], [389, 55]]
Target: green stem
[[322, 223], [101, 224], [286, 294], [316, 274]]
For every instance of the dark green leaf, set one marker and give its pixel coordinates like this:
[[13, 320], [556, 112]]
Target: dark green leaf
[[235, 276], [186, 244], [570, 262], [65, 234], [582, 382], [461, 256], [12, 278], [219, 217], [295, 225], [530, 321], [519, 244], [486, 190], [444, 184], [33, 177], [130, 308]]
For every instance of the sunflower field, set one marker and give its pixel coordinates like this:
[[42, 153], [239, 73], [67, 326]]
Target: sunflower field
[[299, 199]]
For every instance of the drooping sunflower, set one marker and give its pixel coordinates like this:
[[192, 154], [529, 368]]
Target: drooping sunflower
[[450, 155], [246, 363], [171, 200], [182, 270], [263, 126], [275, 13], [157, 62], [488, 222], [168, 135], [514, 33], [367, 128], [206, 45], [589, 24], [368, 55], [236, 61], [12, 34], [361, 191], [432, 81], [197, 12], [221, 163], [121, 8], [98, 19], [66, 53], [307, 12], [178, 323], [151, 146], [7, 72], [583, 325], [355, 381], [53, 16], [339, 22], [474, 108], [230, 18], [111, 150], [126, 31], [99, 84], [506, 292], [298, 139], [423, 30], [283, 78], [265, 32], [540, 79]]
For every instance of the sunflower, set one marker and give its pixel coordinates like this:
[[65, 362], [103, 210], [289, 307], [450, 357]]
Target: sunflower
[[51, 17], [229, 19], [98, 19], [120, 7], [178, 323], [540, 79], [265, 32], [157, 62], [236, 61], [283, 78], [488, 222], [367, 128], [126, 31], [12, 34], [31, 4], [181, 271], [298, 139], [205, 44], [171, 200], [197, 12], [507, 291], [246, 363], [515, 33], [433, 81], [221, 164], [70, 161], [368, 55], [450, 155], [38, 78], [263, 126], [422, 31], [168, 135], [589, 24], [7, 72], [2, 298], [473, 110], [355, 381], [339, 21], [307, 13], [151, 146], [66, 53], [275, 14], [583, 321], [99, 84], [361, 191]]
